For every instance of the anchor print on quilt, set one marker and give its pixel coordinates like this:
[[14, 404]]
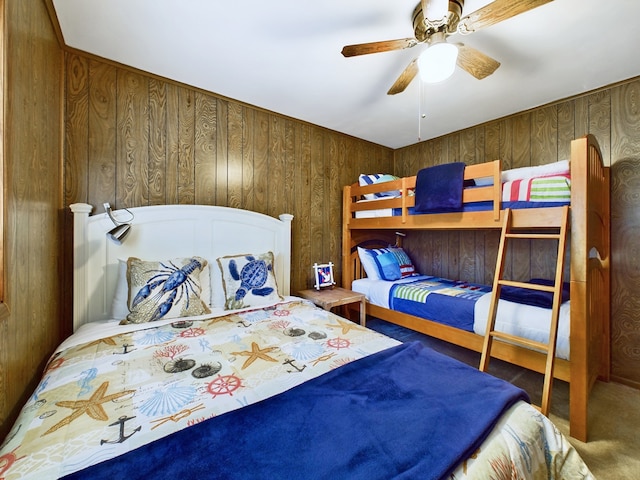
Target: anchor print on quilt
[[248, 280], [165, 289]]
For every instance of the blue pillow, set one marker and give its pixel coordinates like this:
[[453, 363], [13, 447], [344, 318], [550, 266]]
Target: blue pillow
[[388, 266]]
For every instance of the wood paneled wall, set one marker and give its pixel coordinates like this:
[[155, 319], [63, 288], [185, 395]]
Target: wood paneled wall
[[33, 201], [133, 140], [536, 137]]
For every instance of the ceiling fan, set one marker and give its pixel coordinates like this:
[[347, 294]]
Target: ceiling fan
[[433, 22]]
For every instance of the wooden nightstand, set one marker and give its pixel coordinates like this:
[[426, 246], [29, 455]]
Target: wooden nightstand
[[335, 297]]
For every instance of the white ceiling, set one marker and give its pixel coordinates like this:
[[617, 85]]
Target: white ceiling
[[284, 56]]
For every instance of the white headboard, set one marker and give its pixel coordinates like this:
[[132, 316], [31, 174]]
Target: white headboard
[[164, 232]]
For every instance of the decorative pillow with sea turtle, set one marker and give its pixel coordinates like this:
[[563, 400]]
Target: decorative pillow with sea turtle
[[248, 280], [165, 289]]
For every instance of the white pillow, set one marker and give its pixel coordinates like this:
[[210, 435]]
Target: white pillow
[[120, 307], [217, 288], [368, 263], [556, 168]]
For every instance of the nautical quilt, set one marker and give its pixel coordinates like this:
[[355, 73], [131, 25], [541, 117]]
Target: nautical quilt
[[102, 398], [108, 395]]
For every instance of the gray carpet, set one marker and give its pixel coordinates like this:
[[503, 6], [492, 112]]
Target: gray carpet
[[613, 450]]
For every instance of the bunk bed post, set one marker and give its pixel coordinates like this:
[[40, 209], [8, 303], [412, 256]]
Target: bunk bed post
[[590, 278], [347, 274], [497, 189]]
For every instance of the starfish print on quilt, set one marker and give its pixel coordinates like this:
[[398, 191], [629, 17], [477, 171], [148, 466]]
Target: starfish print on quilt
[[92, 407], [346, 325], [256, 353]]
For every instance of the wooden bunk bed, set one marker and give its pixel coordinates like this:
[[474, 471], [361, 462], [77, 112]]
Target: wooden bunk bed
[[589, 264]]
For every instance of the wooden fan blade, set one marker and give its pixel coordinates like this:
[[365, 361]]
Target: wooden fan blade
[[495, 12], [475, 62], [425, 7], [376, 47], [405, 78]]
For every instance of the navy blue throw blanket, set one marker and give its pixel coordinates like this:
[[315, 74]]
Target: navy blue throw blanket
[[439, 188], [535, 298], [406, 412]]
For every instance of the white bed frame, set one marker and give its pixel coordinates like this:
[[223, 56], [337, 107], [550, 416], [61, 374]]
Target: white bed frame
[[165, 232]]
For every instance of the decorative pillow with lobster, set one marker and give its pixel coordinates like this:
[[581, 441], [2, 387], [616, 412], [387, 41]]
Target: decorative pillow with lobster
[[248, 280], [164, 289]]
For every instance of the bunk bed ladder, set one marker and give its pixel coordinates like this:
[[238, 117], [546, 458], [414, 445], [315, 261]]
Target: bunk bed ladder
[[558, 233]]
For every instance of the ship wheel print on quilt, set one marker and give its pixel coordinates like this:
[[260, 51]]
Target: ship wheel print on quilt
[[252, 277], [224, 385]]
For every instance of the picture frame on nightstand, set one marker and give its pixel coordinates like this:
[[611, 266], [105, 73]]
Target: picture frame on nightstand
[[323, 275]]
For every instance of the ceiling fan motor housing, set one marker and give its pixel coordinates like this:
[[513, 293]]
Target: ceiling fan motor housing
[[425, 27]]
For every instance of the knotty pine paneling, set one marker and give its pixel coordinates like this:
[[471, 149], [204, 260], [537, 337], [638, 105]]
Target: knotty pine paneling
[[189, 146], [132, 139], [32, 145], [625, 232], [135, 140], [536, 137]]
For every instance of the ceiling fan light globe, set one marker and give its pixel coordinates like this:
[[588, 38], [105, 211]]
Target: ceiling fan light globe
[[438, 62]]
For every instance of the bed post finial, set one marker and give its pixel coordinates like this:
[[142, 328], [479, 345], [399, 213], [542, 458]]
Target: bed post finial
[[81, 213], [286, 218]]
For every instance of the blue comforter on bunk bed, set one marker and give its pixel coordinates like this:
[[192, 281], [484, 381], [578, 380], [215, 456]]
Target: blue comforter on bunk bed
[[406, 412], [450, 302]]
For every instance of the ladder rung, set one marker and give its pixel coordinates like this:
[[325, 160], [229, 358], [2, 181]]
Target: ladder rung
[[550, 236], [530, 286], [520, 340], [523, 229]]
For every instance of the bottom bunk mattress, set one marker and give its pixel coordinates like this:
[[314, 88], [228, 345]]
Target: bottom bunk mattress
[[288, 388], [466, 306]]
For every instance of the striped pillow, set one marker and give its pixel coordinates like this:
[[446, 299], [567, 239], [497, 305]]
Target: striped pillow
[[538, 189], [406, 265], [370, 179]]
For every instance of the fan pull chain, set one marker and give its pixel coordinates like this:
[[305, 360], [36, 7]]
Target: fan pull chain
[[420, 112], [421, 115]]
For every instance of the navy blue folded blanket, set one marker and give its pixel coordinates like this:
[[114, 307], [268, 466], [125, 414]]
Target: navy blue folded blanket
[[439, 188], [406, 412], [535, 298]]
